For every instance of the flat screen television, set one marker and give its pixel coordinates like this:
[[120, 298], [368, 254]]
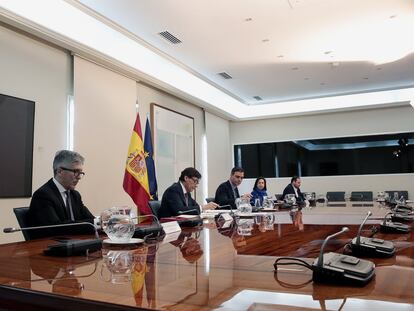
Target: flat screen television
[[16, 145]]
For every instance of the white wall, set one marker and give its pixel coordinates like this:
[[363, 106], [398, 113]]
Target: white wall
[[104, 118], [218, 151], [38, 72], [105, 111], [148, 95], [352, 123]]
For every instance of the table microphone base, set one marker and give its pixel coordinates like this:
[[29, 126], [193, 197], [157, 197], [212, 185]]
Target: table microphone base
[[73, 247]]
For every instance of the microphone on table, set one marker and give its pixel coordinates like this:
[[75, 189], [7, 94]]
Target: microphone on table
[[403, 208], [371, 247], [393, 227], [221, 206], [341, 269], [405, 217], [189, 212], [190, 222], [68, 247], [148, 231]]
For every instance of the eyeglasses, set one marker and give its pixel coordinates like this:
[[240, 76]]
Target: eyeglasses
[[196, 180], [77, 173]]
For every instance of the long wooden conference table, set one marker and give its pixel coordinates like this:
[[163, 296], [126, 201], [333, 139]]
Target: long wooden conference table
[[220, 266]]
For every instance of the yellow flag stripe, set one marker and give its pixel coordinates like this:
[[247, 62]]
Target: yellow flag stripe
[[136, 165]]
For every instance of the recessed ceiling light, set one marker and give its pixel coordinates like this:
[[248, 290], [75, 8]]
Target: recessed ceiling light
[[249, 19], [327, 52], [265, 40], [295, 68], [393, 16], [335, 64]]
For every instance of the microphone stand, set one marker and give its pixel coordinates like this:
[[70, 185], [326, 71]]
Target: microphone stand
[[333, 267], [148, 232], [189, 211], [393, 227], [320, 258], [10, 230], [341, 269], [358, 239], [371, 247], [68, 247], [190, 222]]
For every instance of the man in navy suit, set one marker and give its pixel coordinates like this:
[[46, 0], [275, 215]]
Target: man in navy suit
[[177, 199], [57, 201], [227, 192], [294, 188]]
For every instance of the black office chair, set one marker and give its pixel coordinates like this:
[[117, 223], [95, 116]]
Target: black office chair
[[335, 196], [401, 193], [22, 215], [363, 196], [155, 207], [210, 199], [279, 196]]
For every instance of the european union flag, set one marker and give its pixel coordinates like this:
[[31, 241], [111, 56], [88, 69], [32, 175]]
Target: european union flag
[[149, 160]]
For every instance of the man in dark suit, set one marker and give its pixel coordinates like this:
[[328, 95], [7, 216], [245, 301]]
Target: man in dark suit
[[227, 192], [177, 198], [294, 188], [57, 201]]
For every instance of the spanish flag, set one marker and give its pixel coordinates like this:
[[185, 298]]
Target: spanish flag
[[136, 175]]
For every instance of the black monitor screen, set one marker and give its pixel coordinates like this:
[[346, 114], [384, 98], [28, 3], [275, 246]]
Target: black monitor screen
[[16, 145]]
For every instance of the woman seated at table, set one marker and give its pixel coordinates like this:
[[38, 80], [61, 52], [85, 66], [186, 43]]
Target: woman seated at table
[[259, 191]]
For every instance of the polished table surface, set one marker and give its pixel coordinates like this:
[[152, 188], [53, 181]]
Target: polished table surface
[[220, 266]]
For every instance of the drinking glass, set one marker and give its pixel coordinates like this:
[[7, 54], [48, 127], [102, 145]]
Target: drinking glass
[[267, 203], [119, 226], [244, 206], [290, 199]]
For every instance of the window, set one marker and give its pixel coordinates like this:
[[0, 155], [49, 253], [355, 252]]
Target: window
[[376, 154]]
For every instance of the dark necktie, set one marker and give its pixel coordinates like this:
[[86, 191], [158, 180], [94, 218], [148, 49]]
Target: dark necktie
[[236, 193], [187, 198], [69, 209]]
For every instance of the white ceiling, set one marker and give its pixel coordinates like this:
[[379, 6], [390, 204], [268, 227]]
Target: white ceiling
[[299, 56], [280, 50]]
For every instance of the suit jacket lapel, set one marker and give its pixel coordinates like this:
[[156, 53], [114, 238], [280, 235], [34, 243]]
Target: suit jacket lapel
[[62, 211], [181, 193]]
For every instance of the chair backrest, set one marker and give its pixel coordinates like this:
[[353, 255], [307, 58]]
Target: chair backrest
[[155, 207], [335, 196], [22, 215], [401, 193], [279, 196], [365, 196], [210, 199]]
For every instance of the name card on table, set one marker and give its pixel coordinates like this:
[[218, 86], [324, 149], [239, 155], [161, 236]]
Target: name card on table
[[226, 217], [170, 227]]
